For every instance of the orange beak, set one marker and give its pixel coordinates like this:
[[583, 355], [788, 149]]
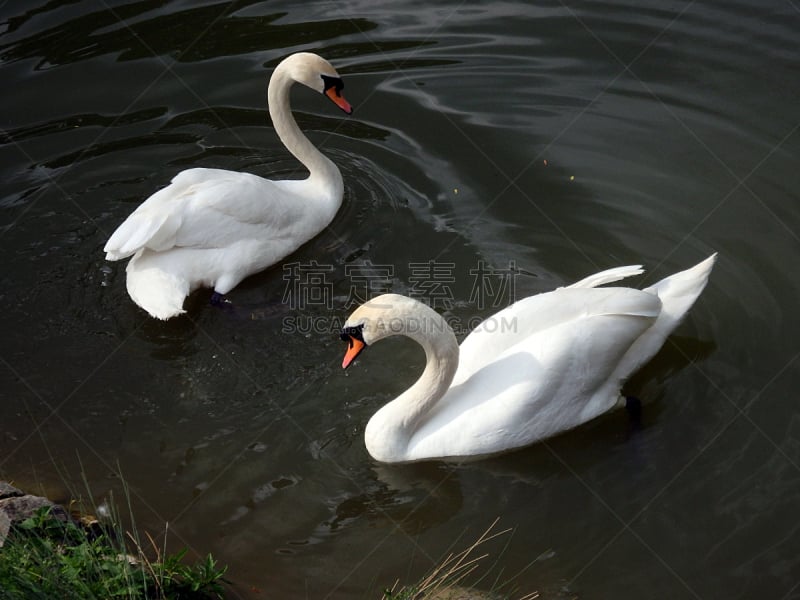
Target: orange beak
[[355, 348], [339, 100]]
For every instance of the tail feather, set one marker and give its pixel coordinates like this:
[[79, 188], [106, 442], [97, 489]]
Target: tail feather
[[678, 293], [683, 288], [159, 293]]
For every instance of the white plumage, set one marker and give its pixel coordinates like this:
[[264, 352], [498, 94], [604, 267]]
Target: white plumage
[[541, 366], [213, 228]]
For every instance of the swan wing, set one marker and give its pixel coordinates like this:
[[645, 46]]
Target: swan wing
[[205, 208], [536, 314], [239, 206], [156, 221], [608, 276], [554, 379]]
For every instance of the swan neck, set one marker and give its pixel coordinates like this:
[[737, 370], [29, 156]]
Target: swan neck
[[441, 354], [391, 429], [318, 165]]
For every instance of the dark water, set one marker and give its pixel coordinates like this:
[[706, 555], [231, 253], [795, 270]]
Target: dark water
[[559, 139]]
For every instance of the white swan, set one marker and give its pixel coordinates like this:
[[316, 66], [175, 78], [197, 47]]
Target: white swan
[[213, 228], [541, 366]]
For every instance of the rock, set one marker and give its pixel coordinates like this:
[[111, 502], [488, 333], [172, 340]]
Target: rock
[[19, 508], [16, 506], [5, 526], [7, 490], [461, 593]]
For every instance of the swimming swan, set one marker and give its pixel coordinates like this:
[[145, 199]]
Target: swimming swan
[[541, 366], [213, 228]]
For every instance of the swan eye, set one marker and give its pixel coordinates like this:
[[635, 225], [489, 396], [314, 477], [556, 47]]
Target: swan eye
[[332, 82], [353, 333]]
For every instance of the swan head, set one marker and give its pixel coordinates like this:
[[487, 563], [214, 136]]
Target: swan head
[[317, 73], [387, 315], [368, 324]]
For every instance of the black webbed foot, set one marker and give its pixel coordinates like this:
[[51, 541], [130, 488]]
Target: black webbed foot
[[633, 406], [220, 300]]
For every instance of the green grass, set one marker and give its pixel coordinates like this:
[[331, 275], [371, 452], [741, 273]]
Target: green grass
[[44, 558]]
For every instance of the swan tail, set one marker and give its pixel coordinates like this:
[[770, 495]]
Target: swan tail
[[677, 293], [608, 276], [158, 292]]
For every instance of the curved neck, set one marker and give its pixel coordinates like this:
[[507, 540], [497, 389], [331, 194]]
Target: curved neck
[[389, 431], [319, 166]]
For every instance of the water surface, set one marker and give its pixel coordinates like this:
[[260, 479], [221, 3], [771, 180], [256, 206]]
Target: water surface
[[557, 139]]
